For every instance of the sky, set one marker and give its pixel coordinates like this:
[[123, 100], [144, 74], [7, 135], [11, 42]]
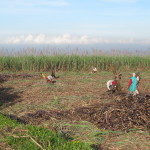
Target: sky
[[75, 22]]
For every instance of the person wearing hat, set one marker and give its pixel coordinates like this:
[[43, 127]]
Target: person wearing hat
[[132, 85]]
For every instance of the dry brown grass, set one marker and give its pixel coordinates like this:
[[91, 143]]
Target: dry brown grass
[[70, 92]]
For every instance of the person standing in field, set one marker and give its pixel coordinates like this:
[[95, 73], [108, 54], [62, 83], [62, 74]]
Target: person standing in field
[[53, 73], [132, 85], [138, 77]]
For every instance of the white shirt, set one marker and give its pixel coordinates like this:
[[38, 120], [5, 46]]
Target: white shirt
[[49, 77], [95, 69], [109, 83]]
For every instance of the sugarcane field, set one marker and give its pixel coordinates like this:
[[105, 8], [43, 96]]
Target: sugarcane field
[[75, 75], [93, 102]]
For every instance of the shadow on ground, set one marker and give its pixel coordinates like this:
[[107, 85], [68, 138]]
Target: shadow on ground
[[8, 97]]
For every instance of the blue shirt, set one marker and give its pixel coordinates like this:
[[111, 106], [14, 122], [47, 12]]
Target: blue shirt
[[133, 86]]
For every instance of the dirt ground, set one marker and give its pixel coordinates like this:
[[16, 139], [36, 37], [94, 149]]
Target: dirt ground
[[75, 97]]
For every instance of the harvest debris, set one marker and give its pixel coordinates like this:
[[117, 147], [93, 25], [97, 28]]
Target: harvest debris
[[130, 112]]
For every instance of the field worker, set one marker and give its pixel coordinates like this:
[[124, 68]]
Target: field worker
[[94, 70], [53, 73], [112, 85], [48, 78], [138, 78], [132, 86]]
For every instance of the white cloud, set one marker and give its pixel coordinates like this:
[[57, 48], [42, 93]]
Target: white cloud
[[68, 39]]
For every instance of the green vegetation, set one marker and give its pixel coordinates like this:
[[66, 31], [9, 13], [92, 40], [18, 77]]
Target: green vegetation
[[71, 63], [21, 137]]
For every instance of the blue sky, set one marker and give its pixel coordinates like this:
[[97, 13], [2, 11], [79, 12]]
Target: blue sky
[[75, 21]]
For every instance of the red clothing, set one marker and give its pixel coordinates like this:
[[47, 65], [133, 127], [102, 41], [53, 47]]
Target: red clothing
[[48, 80], [114, 82], [130, 82]]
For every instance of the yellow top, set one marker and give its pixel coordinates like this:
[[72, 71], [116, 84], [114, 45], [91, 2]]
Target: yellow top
[[43, 75]]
